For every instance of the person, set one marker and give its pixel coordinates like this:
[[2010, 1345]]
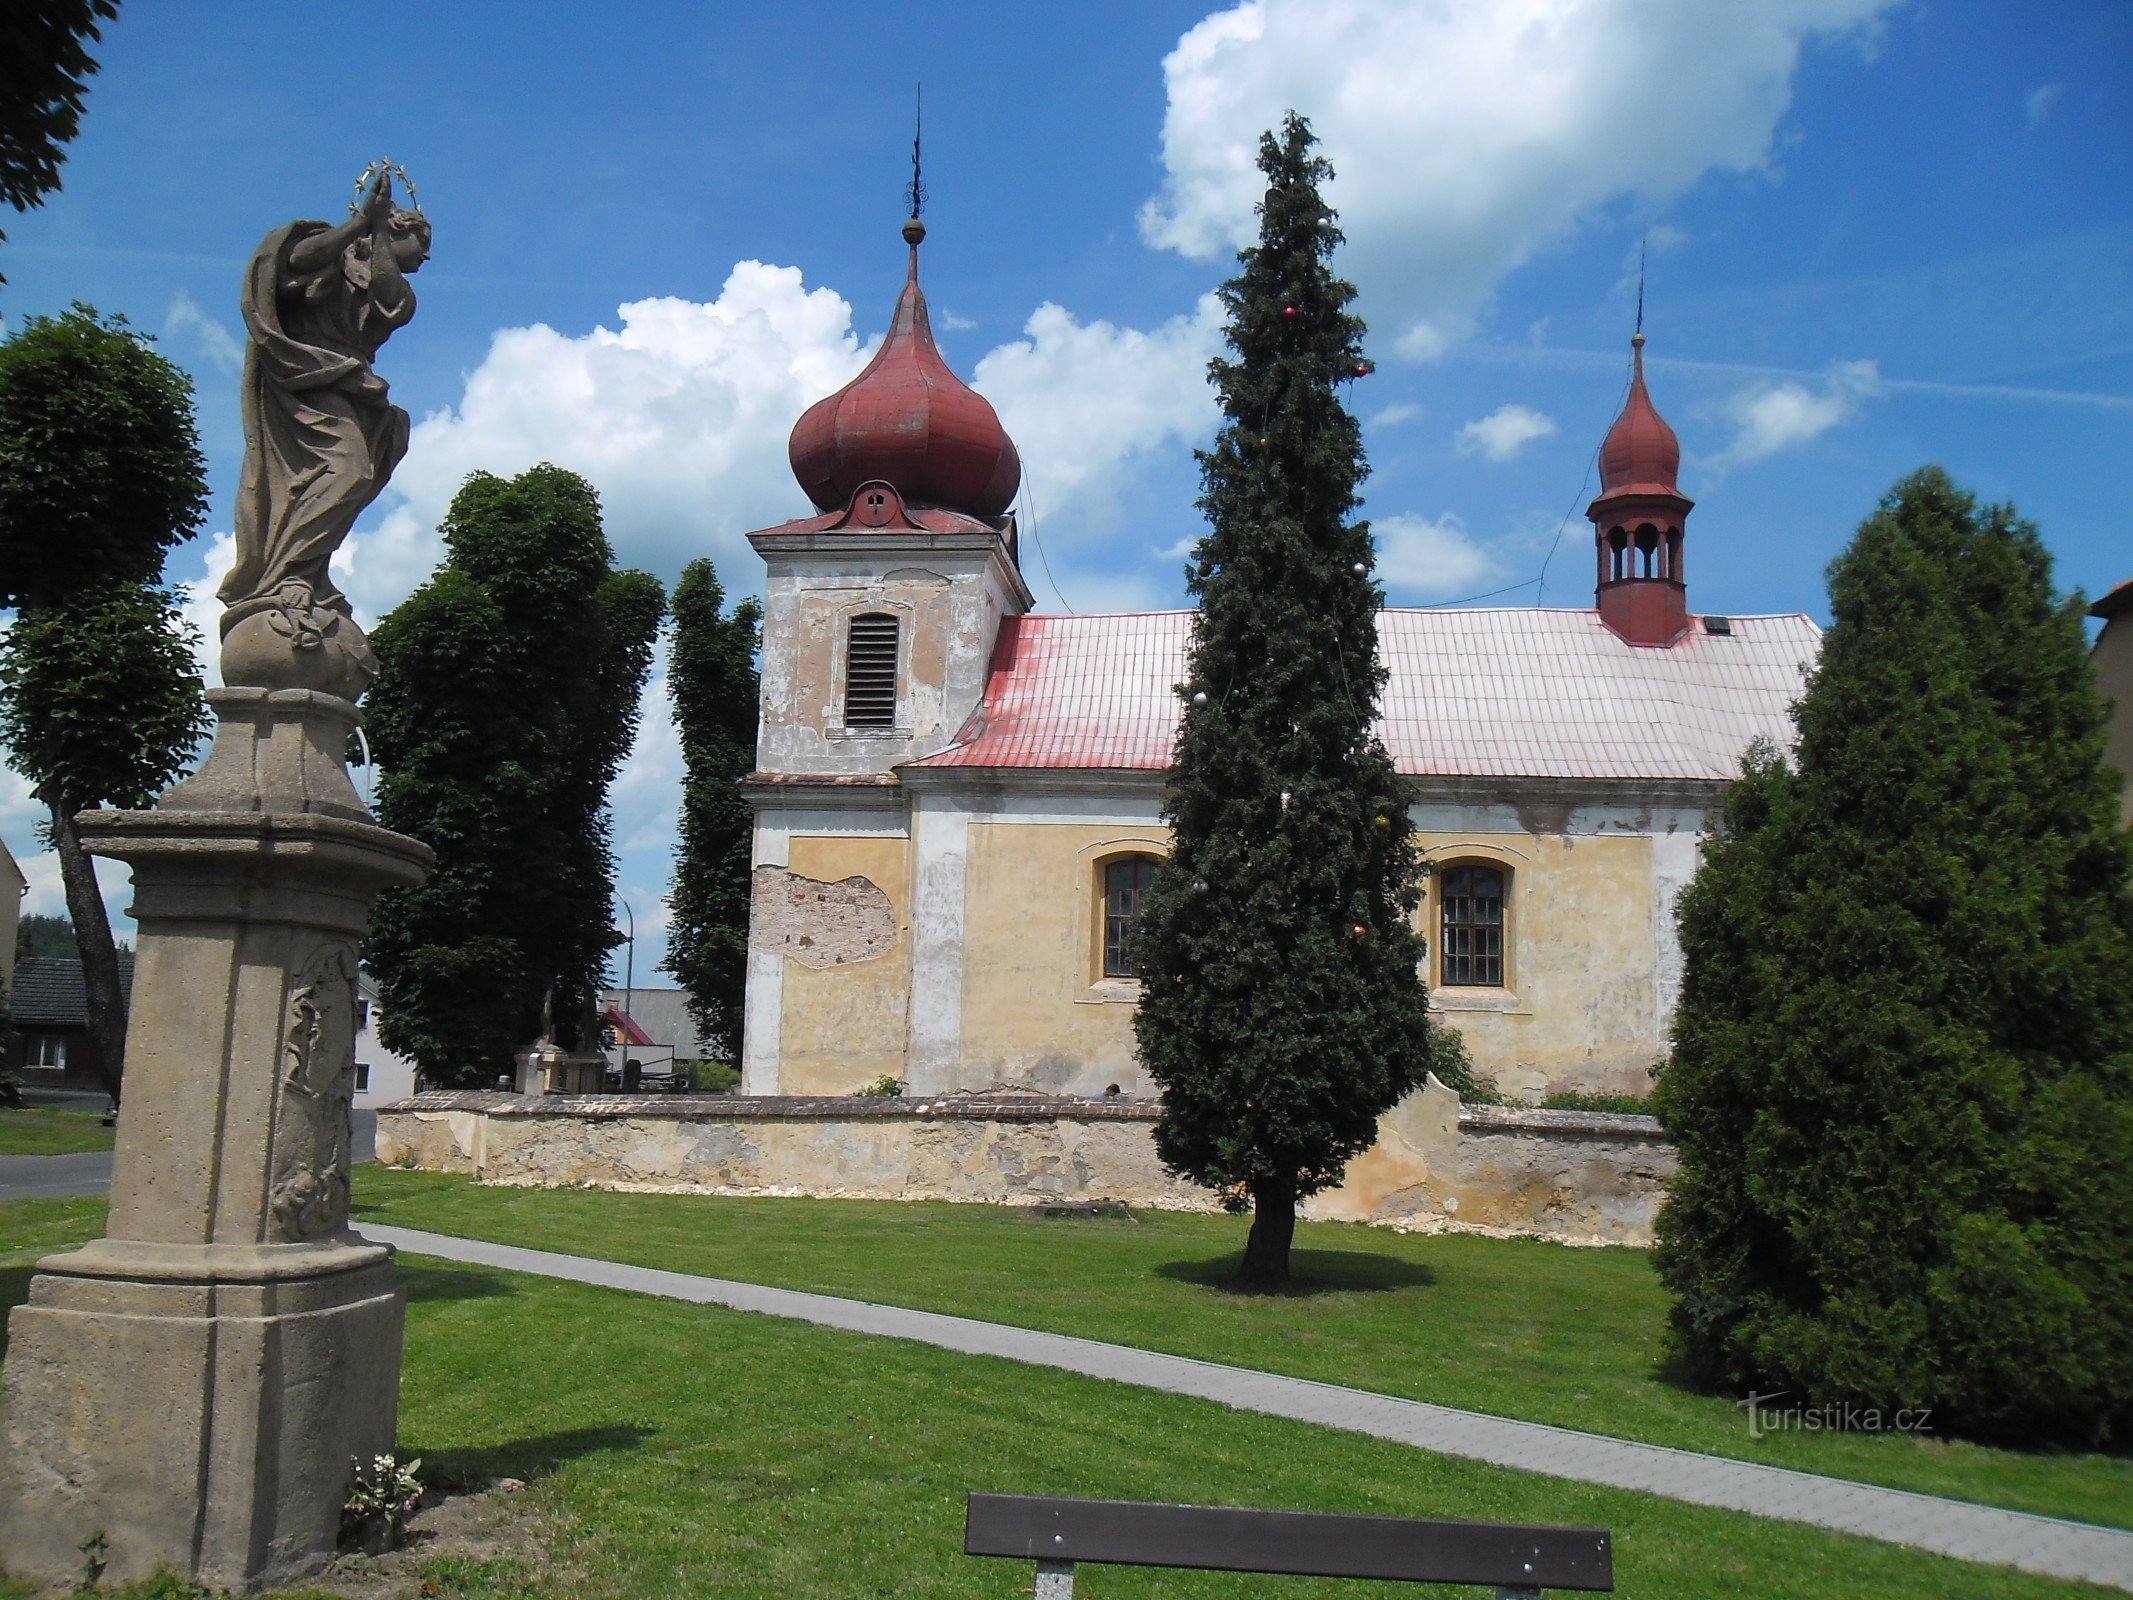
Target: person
[[321, 436]]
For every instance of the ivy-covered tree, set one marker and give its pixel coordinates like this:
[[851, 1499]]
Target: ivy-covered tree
[[712, 677], [507, 697], [45, 66], [1283, 1012], [100, 697], [1902, 1079]]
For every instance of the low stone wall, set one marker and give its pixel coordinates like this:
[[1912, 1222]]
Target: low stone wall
[[1576, 1176]]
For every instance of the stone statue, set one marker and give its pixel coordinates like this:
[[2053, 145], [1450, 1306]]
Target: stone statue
[[320, 437], [229, 1285]]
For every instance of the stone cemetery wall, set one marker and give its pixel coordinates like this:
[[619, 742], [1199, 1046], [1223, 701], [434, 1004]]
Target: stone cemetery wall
[[1577, 1176]]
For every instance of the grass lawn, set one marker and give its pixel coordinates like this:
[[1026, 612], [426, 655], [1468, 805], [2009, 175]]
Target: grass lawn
[[688, 1451], [1518, 1328], [45, 1131]]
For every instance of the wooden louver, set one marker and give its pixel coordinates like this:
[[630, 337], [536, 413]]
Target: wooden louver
[[870, 672]]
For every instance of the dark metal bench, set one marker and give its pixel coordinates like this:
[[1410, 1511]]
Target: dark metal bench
[[1517, 1560]]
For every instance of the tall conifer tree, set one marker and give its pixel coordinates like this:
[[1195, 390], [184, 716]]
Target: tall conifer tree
[[1902, 1081], [1283, 1012], [712, 677], [507, 698]]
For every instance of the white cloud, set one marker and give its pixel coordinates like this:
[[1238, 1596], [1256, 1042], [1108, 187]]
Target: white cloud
[[208, 338], [2038, 106], [1424, 559], [1467, 135], [1393, 415], [646, 793], [47, 896], [1085, 400], [1768, 417], [956, 324], [1503, 432], [679, 418]]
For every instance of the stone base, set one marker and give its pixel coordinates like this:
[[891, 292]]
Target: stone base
[[199, 1406]]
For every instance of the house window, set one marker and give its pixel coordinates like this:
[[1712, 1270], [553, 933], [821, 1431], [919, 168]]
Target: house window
[[362, 1014], [1471, 951], [870, 672], [1126, 883], [362, 1077], [46, 1052]]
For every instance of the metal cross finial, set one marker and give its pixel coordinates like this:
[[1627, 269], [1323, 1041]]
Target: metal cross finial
[[916, 193], [1642, 245]]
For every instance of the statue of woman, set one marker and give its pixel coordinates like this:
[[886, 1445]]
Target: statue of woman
[[320, 438]]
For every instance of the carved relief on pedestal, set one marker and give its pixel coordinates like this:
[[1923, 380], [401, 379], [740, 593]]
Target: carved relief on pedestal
[[308, 1195]]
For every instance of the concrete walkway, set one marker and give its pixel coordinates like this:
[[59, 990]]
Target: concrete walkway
[[1957, 1528], [83, 1172]]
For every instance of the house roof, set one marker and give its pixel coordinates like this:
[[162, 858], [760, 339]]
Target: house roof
[[48, 990], [2114, 602], [1514, 692]]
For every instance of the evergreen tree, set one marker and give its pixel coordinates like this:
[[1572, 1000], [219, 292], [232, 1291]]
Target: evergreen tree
[[1283, 1012], [41, 935], [507, 698], [712, 677], [1902, 1081], [100, 700]]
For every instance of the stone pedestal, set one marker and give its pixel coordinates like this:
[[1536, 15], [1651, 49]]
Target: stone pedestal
[[194, 1385]]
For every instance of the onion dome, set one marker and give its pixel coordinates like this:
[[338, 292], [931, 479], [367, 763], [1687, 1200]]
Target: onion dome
[[1640, 454], [907, 420]]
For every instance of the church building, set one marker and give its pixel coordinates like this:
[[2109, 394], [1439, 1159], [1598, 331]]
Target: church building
[[959, 800]]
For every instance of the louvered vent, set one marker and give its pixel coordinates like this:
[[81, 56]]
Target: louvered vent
[[870, 672]]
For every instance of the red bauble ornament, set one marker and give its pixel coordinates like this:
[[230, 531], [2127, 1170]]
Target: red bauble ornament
[[1364, 369], [1288, 313]]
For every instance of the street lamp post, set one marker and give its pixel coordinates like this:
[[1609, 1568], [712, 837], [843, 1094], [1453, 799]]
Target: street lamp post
[[629, 975]]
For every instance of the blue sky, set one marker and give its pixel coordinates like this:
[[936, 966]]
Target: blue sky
[[1880, 234]]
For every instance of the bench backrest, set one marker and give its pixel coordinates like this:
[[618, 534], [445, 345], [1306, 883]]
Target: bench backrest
[[1305, 1543]]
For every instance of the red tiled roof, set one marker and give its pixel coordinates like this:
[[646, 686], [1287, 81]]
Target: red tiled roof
[[1512, 692]]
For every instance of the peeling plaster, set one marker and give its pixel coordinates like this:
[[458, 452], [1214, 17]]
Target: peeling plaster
[[819, 924]]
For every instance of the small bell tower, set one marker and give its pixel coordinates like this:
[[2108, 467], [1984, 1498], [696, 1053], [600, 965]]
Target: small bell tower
[[880, 612], [1639, 520]]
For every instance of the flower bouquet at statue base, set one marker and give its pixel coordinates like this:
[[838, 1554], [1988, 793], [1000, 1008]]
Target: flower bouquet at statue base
[[382, 1495]]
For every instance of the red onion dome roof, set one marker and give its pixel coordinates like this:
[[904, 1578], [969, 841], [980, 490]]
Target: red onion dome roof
[[1640, 452], [910, 421]]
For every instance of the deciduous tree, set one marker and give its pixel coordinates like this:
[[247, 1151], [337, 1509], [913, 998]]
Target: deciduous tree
[[45, 66], [100, 699], [1902, 1079], [506, 700], [712, 677], [1283, 1010]]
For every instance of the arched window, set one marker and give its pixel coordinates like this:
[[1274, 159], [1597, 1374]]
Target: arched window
[[870, 672], [1126, 880], [1471, 951]]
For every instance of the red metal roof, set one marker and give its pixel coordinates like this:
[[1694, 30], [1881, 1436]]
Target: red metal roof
[[626, 1027], [1514, 692]]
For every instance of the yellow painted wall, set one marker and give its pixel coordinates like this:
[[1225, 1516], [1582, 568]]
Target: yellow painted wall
[[1035, 1010], [843, 1028], [1577, 1008], [1577, 1012]]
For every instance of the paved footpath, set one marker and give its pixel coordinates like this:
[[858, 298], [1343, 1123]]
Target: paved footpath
[[2047, 1545]]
